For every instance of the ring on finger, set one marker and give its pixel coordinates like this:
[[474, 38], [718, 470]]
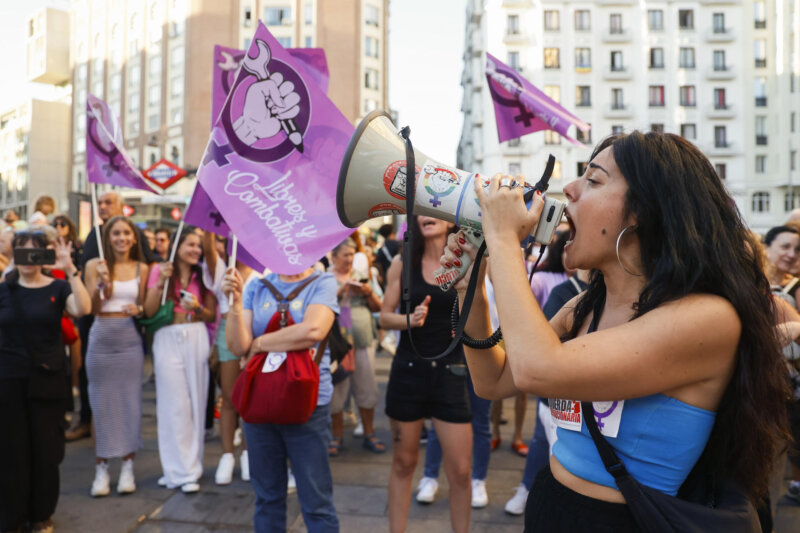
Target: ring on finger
[[507, 182]]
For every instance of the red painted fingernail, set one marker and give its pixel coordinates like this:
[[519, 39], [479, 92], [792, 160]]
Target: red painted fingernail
[[462, 240], [457, 251], [457, 263], [448, 265], [539, 193]]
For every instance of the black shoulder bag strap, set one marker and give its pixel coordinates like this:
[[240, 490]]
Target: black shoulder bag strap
[[283, 309]]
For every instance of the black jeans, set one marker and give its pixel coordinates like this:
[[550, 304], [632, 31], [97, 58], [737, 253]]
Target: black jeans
[[84, 325], [31, 451]]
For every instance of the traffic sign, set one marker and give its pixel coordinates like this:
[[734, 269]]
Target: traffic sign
[[164, 173]]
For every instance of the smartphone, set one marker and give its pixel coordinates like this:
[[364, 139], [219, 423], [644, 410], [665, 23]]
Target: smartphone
[[34, 256], [185, 293]]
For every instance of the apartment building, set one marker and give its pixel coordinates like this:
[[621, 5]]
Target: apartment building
[[725, 74]]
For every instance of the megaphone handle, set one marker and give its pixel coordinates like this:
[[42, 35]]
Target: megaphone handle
[[447, 277]]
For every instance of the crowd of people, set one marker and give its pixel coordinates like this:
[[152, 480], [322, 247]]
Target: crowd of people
[[663, 316]]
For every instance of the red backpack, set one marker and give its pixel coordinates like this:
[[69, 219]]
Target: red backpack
[[278, 388]]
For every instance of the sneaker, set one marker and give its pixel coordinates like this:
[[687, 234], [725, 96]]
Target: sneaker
[[100, 485], [162, 481], [237, 437], [427, 490], [126, 483], [190, 488], [793, 492], [224, 474], [516, 505], [80, 431], [244, 465], [359, 430], [291, 484], [479, 497]]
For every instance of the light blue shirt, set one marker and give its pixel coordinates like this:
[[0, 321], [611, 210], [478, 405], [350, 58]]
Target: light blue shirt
[[259, 299]]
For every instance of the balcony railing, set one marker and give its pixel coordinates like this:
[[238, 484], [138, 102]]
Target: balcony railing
[[761, 101], [761, 63], [761, 140], [760, 24]]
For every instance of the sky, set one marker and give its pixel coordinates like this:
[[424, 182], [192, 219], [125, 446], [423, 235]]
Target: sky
[[425, 46]]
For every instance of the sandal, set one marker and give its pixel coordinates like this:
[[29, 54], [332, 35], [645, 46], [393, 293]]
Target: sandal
[[520, 448], [374, 445], [334, 448], [495, 443]]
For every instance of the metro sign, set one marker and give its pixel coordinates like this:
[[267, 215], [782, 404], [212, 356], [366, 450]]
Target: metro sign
[[164, 173]]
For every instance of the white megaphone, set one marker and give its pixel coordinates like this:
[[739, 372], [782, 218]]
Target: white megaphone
[[372, 183]]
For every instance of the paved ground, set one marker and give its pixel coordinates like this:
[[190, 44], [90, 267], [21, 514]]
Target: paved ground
[[360, 490]]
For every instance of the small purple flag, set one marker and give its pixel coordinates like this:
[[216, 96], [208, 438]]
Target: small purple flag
[[520, 108], [272, 162], [106, 159], [226, 66]]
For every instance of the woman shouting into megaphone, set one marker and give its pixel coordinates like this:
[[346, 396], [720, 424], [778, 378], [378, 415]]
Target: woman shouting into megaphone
[[670, 347]]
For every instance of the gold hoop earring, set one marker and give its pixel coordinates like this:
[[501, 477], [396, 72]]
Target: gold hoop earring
[[619, 238]]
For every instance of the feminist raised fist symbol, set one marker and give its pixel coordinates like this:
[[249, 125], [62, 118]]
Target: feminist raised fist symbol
[[270, 104]]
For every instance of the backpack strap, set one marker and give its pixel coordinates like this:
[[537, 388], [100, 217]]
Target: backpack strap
[[283, 301], [789, 287]]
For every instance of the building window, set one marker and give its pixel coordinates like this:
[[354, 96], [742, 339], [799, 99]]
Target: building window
[[371, 16], [551, 58], [616, 61], [154, 96], [176, 87], [552, 137], [514, 143], [656, 58], [176, 115], [370, 105], [582, 20], [278, 15], [686, 19], [617, 100], [153, 122], [686, 57], [761, 164], [761, 131], [615, 23], [791, 201], [720, 137], [581, 167], [760, 14], [116, 82], [719, 22], [719, 98], [308, 14], [514, 168], [583, 96], [371, 47], [760, 202], [557, 170], [371, 79], [308, 42], [133, 102], [513, 60], [656, 95], [721, 170], [133, 128], [617, 129], [760, 52], [176, 58], [512, 25], [655, 19], [552, 21], [584, 137], [688, 97], [657, 128], [248, 17], [689, 131], [760, 91], [792, 122], [793, 160], [154, 67], [719, 60], [286, 42], [554, 92], [583, 59]]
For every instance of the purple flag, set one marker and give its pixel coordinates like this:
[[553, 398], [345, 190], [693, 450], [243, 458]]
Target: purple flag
[[226, 66], [520, 108], [106, 159], [272, 162]]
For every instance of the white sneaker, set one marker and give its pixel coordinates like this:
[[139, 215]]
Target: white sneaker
[[126, 483], [359, 430], [291, 484], [100, 485], [479, 497], [224, 474], [427, 490], [190, 488], [162, 481], [244, 465], [516, 505], [237, 437]]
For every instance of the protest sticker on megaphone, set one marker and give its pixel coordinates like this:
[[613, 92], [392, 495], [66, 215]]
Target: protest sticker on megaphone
[[272, 160]]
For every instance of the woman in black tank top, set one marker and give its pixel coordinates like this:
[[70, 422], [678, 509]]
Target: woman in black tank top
[[419, 388]]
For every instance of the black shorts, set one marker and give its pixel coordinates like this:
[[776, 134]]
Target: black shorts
[[428, 389], [553, 507]]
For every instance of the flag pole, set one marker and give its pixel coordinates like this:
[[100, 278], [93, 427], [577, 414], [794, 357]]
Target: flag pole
[[96, 215], [172, 257], [232, 264]]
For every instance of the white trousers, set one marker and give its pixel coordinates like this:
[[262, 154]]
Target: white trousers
[[180, 354]]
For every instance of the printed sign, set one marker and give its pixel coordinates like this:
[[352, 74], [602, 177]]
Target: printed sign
[[567, 415], [273, 362]]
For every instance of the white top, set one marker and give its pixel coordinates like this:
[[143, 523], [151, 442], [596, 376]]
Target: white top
[[124, 293], [215, 283]]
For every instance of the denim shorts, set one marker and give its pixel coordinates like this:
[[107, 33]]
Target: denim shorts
[[428, 389], [225, 354]]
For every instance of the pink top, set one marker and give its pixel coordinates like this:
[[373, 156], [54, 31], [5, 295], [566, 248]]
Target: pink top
[[194, 287]]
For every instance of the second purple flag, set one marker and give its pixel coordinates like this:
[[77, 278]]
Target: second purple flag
[[272, 161], [520, 108]]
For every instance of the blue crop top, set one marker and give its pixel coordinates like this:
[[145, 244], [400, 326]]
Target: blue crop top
[[659, 439]]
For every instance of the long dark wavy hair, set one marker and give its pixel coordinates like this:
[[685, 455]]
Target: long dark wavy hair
[[174, 283], [692, 240], [135, 253], [418, 241]]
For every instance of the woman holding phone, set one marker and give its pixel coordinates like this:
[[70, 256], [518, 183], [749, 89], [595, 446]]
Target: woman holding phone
[[180, 355]]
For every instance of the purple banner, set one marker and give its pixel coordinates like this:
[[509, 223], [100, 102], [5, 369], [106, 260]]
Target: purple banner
[[226, 66], [520, 108], [106, 159], [272, 162]]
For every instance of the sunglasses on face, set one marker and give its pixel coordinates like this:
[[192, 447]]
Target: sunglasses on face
[[61, 224]]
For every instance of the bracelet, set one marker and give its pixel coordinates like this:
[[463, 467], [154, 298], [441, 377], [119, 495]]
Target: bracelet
[[477, 344]]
